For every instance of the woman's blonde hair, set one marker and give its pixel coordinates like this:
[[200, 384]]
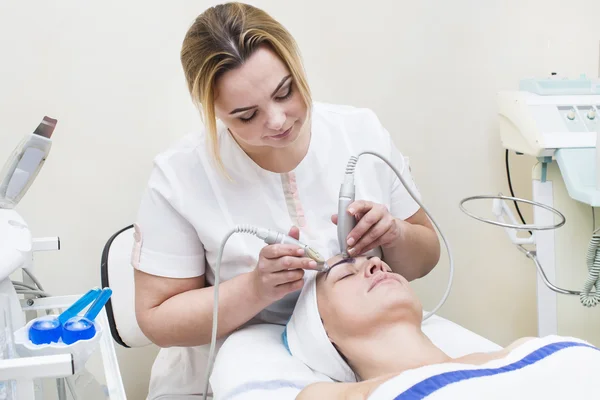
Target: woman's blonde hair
[[222, 38]]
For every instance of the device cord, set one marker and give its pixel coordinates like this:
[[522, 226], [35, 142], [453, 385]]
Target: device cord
[[350, 170], [587, 297], [512, 193]]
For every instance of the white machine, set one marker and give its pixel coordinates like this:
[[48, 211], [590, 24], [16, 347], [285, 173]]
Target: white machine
[[19, 369], [557, 121]]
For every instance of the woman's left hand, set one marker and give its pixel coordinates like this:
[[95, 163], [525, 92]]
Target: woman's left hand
[[376, 227]]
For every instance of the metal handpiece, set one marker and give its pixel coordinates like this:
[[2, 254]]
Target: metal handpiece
[[345, 223], [278, 237], [274, 237]]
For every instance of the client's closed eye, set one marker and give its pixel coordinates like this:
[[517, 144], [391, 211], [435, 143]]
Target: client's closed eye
[[345, 276], [349, 266]]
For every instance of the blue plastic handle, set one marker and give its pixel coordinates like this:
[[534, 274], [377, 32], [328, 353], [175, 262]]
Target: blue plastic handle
[[79, 305], [101, 300]]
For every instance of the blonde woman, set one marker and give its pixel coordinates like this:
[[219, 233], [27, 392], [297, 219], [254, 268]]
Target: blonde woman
[[268, 156]]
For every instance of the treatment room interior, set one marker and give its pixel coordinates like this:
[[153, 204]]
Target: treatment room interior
[[110, 73]]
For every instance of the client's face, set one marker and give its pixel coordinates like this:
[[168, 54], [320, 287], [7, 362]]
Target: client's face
[[359, 295]]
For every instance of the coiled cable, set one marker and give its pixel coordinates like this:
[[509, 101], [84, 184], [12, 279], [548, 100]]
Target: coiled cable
[[351, 165], [587, 297]]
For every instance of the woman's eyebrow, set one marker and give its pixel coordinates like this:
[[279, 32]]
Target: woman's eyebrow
[[242, 109], [284, 80], [343, 261]]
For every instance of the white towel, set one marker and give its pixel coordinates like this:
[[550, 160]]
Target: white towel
[[552, 367], [307, 340], [253, 364]]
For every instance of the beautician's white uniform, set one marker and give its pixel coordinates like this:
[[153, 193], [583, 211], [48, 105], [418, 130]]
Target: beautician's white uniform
[[190, 206]]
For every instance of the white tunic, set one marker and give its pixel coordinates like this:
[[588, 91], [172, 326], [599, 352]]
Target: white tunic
[[189, 207]]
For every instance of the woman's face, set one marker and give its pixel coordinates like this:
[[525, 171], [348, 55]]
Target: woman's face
[[259, 103], [360, 295]]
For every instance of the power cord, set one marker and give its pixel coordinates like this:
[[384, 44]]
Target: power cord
[[38, 290], [349, 183], [587, 297], [33, 278], [269, 237], [512, 193], [22, 285], [23, 288], [37, 293]]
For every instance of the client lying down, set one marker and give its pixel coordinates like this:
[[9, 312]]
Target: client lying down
[[360, 324]]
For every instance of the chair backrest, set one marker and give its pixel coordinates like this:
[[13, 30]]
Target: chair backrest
[[117, 273]]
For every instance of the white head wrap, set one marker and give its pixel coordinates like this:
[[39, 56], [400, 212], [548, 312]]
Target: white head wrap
[[307, 340]]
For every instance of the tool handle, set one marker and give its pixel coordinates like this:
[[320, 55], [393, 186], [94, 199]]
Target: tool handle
[[345, 222], [101, 300], [79, 305], [274, 237]]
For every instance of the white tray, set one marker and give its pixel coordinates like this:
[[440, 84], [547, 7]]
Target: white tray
[[80, 350]]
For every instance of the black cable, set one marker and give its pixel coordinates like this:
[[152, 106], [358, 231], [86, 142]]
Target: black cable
[[512, 193]]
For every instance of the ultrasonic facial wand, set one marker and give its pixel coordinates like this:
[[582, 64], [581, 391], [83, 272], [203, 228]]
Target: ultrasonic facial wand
[[273, 237], [346, 222]]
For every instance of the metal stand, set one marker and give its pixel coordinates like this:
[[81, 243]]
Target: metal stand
[[542, 238], [547, 306], [61, 389]]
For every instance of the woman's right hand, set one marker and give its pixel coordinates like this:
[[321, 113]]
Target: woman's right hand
[[280, 269]]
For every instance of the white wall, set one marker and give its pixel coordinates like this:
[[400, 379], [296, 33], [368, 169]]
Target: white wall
[[109, 72]]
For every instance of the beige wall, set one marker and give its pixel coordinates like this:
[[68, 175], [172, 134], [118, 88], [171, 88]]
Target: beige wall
[[109, 72]]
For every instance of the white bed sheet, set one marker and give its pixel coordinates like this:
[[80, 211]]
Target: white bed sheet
[[254, 364]]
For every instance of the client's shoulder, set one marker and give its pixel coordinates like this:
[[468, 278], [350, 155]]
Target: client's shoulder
[[335, 391], [519, 342], [322, 390], [514, 345], [541, 341], [342, 391], [485, 357]]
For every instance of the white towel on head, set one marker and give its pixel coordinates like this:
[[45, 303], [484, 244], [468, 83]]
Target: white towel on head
[[307, 340]]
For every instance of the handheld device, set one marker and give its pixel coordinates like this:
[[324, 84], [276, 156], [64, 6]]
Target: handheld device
[[345, 222], [273, 237], [25, 163]]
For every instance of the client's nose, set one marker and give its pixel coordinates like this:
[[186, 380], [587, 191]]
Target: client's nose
[[374, 265]]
